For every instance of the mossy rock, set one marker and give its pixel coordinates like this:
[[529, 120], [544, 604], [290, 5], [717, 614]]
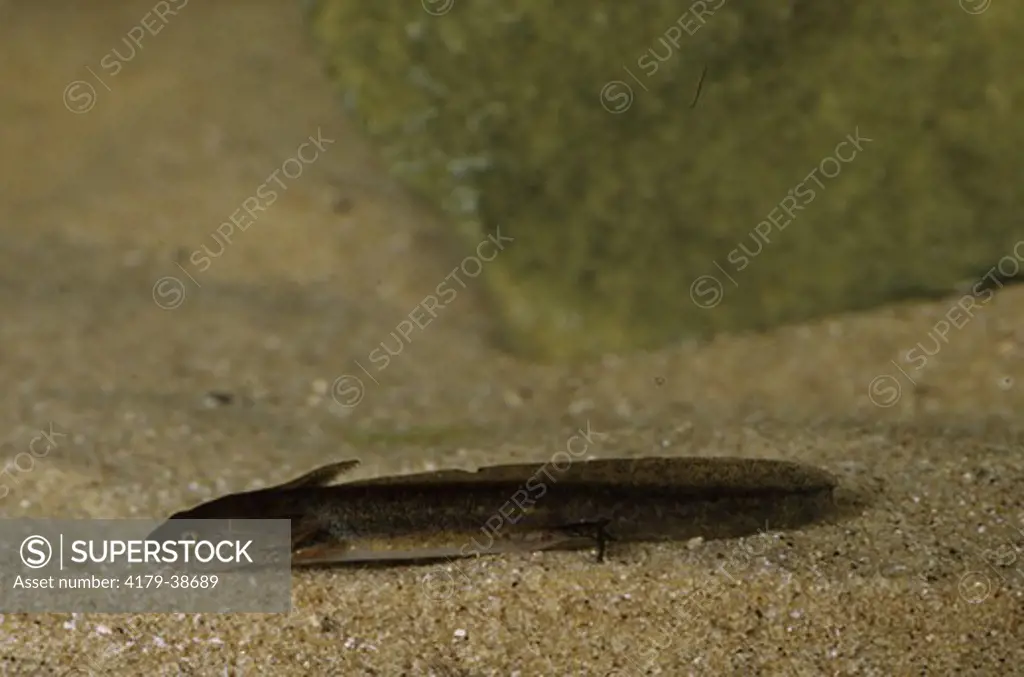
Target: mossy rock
[[639, 220]]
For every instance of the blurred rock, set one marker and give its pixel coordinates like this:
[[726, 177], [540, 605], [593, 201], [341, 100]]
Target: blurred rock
[[838, 157]]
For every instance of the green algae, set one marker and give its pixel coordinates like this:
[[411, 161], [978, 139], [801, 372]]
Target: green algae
[[640, 221]]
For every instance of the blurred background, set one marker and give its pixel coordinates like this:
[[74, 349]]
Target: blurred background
[[240, 240]]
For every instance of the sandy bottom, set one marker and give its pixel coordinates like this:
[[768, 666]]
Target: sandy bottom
[[178, 373]]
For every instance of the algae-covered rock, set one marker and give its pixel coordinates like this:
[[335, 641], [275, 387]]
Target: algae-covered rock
[[839, 155]]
